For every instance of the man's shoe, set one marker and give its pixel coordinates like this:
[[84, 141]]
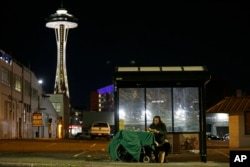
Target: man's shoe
[[166, 159]]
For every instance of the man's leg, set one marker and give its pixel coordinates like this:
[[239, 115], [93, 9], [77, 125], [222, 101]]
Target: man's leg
[[161, 156], [156, 153], [167, 150]]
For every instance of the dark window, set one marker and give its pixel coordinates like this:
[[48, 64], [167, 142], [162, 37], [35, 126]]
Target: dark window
[[100, 125], [247, 122]]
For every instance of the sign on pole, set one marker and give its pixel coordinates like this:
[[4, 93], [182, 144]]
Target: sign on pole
[[37, 119]]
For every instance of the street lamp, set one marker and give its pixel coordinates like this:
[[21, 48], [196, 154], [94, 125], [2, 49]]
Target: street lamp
[[40, 109], [40, 81]]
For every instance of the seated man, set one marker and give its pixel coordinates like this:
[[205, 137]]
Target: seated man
[[162, 147]]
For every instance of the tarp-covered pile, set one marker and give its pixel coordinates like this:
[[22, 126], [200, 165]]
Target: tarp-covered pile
[[132, 141]]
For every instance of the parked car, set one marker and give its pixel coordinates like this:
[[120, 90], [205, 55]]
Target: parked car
[[225, 137], [79, 135], [213, 137], [100, 129]]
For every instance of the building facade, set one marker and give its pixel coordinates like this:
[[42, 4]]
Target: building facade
[[20, 101], [237, 122], [102, 100], [76, 121], [62, 107]]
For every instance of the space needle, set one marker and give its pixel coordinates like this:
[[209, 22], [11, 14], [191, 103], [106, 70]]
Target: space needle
[[61, 22]]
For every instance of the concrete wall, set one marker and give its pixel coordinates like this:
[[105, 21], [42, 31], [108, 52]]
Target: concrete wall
[[238, 138], [17, 101], [62, 102], [234, 122]]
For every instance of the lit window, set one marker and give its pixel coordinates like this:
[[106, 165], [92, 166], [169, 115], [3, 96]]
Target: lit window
[[17, 83]]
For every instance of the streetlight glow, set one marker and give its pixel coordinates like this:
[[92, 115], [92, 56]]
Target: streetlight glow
[[40, 81]]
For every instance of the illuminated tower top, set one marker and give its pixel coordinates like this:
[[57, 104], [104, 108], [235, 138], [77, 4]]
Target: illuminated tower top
[[61, 17], [61, 21]]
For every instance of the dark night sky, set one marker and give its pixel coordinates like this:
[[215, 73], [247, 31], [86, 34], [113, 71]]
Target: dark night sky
[[112, 33]]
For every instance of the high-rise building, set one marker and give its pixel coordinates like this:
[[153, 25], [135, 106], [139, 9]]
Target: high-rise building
[[61, 21], [102, 99]]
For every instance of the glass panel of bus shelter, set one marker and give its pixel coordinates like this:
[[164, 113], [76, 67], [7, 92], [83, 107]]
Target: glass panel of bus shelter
[[186, 109], [132, 109], [159, 102]]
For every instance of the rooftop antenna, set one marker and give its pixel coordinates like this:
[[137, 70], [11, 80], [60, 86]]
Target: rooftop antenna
[[61, 3]]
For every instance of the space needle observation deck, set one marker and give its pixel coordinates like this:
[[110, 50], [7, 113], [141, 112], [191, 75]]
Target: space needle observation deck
[[61, 22]]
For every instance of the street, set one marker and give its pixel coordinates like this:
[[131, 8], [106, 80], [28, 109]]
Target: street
[[54, 145], [72, 151]]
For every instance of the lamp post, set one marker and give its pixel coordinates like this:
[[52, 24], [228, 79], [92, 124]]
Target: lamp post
[[39, 108]]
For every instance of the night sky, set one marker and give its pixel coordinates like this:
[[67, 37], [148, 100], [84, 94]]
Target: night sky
[[114, 33]]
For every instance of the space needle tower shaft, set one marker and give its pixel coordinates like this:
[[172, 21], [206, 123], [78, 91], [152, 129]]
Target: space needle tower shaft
[[61, 22]]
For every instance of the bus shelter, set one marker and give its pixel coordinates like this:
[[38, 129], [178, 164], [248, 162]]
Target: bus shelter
[[175, 93]]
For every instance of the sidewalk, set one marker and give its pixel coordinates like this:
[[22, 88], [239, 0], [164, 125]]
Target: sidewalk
[[102, 159], [75, 163], [175, 164]]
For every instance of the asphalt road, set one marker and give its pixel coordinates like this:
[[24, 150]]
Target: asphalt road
[[70, 152]]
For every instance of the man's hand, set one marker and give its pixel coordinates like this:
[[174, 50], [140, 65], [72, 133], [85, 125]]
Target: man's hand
[[153, 130], [156, 131]]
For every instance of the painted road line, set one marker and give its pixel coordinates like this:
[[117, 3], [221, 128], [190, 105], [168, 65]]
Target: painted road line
[[226, 155], [76, 155], [93, 145]]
